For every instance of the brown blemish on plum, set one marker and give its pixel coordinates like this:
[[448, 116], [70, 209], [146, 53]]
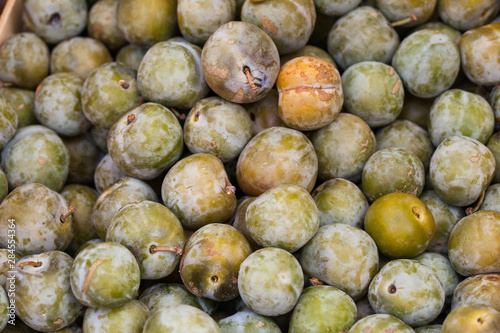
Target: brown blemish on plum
[[20, 106], [396, 87], [324, 73], [391, 71], [216, 71], [373, 14], [269, 25], [475, 158], [88, 278], [58, 321], [238, 97], [124, 84]]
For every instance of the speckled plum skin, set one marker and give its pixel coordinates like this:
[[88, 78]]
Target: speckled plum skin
[[374, 92], [56, 20], [407, 135], [392, 170], [445, 218], [146, 141], [467, 14], [141, 226], [276, 156], [116, 196], [194, 23], [131, 55], [458, 112], [128, 318], [114, 278], [478, 289], [170, 74], [441, 27], [44, 300], [58, 104], [4, 303], [178, 319], [212, 258], [246, 321], [24, 60], [83, 198], [288, 23], [146, 22], [472, 317], [340, 201], [479, 53], [35, 154], [396, 10], [442, 267], [491, 198], [5, 257], [217, 127], [264, 113], [103, 24], [22, 101], [474, 246], [285, 217], [109, 92], [335, 7], [80, 55], [107, 173], [280, 281], [380, 323], [162, 295], [310, 93], [407, 290], [461, 168], [427, 62], [342, 256], [37, 212], [8, 122], [230, 50], [323, 309], [197, 190], [343, 147], [363, 34], [83, 158]]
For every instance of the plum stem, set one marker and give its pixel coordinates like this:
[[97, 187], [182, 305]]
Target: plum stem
[[412, 18], [71, 210], [475, 208], [176, 249], [250, 80], [29, 263], [179, 115], [88, 278]]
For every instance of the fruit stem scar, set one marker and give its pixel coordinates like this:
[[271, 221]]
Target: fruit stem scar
[[55, 18], [416, 211], [88, 278], [130, 118], [230, 189], [71, 210], [412, 18], [214, 279], [29, 263], [392, 289], [248, 74], [124, 84], [176, 249], [315, 282]]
